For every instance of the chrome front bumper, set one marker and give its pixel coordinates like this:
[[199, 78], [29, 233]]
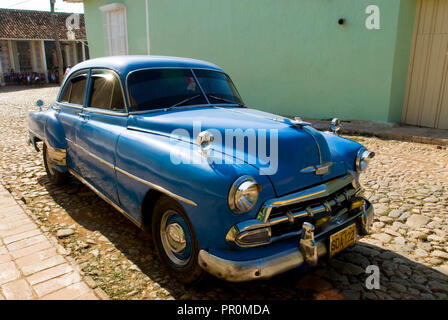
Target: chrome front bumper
[[307, 251]]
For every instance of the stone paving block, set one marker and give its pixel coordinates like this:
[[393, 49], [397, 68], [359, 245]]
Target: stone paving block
[[68, 293], [26, 227], [35, 257], [31, 249], [90, 282], [41, 265], [12, 225], [4, 258], [17, 290], [26, 242], [10, 211], [8, 272], [21, 236], [101, 294], [6, 200], [50, 273], [87, 296], [21, 218], [55, 284]]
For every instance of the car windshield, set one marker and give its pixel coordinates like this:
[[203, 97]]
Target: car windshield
[[164, 88]]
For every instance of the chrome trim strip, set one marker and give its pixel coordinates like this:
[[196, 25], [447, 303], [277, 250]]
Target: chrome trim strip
[[152, 185], [316, 142], [159, 133], [106, 112], [70, 105], [158, 188], [102, 196], [107, 163]]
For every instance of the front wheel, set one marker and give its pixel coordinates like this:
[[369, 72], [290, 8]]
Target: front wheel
[[55, 177], [175, 241]]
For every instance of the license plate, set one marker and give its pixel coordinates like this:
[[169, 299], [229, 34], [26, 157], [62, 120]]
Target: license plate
[[342, 239]]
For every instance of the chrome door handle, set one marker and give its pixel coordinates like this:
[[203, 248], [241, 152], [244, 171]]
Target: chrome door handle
[[83, 115]]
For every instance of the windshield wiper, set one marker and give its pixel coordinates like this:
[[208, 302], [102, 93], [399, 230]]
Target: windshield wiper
[[225, 100], [184, 101]]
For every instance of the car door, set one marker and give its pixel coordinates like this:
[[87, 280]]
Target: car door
[[68, 105], [102, 121]]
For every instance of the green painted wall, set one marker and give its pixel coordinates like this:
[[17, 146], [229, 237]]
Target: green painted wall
[[289, 57], [404, 31]]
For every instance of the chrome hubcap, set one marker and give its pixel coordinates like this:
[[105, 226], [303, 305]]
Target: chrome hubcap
[[173, 238], [176, 237]]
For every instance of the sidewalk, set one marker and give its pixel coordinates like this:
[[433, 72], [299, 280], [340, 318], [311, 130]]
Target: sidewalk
[[388, 131], [31, 266]]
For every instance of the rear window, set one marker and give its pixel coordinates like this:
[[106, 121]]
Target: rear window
[[75, 89]]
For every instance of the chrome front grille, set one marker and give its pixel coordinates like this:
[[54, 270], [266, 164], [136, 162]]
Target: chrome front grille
[[312, 207], [310, 211], [287, 214]]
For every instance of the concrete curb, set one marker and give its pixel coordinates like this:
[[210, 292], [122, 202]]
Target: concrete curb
[[392, 131]]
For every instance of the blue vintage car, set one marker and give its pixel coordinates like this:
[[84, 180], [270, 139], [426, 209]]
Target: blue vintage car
[[232, 191]]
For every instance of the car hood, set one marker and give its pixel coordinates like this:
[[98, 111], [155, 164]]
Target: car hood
[[280, 149]]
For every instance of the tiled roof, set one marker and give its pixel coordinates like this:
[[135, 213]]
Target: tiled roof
[[27, 24]]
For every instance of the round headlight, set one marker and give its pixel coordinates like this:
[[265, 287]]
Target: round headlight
[[363, 158], [243, 194]]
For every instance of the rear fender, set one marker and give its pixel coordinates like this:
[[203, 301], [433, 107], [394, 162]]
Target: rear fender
[[45, 126]]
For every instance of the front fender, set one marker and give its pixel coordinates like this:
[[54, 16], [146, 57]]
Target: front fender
[[205, 185], [343, 149]]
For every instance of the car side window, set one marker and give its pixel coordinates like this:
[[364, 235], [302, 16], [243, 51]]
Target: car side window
[[75, 89], [106, 91]]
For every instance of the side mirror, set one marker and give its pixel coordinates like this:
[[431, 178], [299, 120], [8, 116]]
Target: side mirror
[[335, 125], [39, 103]]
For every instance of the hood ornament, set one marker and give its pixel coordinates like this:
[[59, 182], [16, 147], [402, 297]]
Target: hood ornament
[[297, 122], [335, 126], [320, 169]]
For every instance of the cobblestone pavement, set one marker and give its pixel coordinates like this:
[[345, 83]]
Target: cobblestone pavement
[[406, 182]]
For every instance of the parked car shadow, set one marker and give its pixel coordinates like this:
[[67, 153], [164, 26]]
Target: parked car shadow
[[343, 277]]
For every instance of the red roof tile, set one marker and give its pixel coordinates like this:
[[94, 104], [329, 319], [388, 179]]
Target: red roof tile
[[27, 24]]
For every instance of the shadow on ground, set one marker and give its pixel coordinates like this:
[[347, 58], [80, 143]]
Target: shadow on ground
[[15, 88], [340, 278]]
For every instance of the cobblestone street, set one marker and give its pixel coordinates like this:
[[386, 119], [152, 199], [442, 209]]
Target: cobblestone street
[[407, 183]]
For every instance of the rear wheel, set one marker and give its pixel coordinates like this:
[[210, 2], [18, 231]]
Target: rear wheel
[[55, 177], [175, 241]]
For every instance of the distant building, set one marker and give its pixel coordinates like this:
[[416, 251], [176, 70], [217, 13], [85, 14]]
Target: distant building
[[382, 60], [28, 49]]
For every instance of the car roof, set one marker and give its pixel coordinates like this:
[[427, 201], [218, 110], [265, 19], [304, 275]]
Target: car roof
[[125, 64]]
